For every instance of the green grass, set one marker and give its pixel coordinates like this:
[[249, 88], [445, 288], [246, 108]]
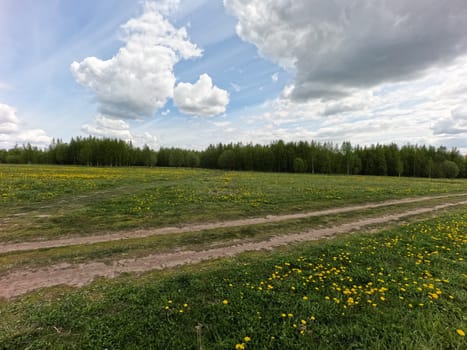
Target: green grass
[[197, 240], [42, 202], [403, 288]]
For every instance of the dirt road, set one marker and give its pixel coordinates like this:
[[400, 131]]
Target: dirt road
[[33, 245], [22, 281]]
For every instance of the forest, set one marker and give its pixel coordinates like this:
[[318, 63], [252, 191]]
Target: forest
[[279, 156]]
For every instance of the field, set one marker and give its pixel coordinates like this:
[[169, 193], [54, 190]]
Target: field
[[398, 281]]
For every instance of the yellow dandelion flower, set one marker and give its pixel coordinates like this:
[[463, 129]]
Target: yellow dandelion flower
[[239, 346], [247, 339], [460, 332], [225, 302]]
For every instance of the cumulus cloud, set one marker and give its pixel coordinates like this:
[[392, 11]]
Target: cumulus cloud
[[338, 47], [119, 129], [139, 78], [275, 77], [201, 98], [13, 131]]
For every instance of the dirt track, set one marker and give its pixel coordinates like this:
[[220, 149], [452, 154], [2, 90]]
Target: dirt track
[[22, 281], [33, 245]]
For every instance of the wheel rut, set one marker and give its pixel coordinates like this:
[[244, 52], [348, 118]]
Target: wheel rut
[[21, 281], [34, 245]]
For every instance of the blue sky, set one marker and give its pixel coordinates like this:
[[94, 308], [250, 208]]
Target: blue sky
[[190, 73]]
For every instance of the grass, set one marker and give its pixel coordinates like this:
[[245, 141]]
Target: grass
[[43, 202], [198, 240], [400, 288]]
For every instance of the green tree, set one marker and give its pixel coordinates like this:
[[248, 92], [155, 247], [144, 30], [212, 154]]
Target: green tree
[[450, 169], [192, 160], [299, 165], [177, 157], [227, 160]]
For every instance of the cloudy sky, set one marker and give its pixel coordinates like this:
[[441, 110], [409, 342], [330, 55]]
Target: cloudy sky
[[189, 73]]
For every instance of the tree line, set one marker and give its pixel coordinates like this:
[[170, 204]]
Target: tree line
[[297, 157], [90, 151]]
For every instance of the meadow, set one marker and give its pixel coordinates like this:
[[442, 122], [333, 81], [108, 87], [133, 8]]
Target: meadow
[[400, 288], [38, 202], [400, 285]]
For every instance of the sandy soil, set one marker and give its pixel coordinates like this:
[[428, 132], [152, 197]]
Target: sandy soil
[[19, 282], [33, 245]]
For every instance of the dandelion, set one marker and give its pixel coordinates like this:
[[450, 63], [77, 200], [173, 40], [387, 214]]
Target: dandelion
[[460, 332], [240, 346], [247, 339], [225, 302]]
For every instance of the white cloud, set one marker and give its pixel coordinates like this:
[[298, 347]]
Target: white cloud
[[338, 47], [222, 124], [275, 77], [428, 110], [13, 131], [201, 98], [139, 78], [455, 124], [119, 129], [8, 114]]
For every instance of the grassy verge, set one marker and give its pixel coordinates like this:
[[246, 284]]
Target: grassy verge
[[51, 201], [401, 288]]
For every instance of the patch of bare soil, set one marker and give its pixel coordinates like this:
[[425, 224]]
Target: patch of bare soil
[[33, 245], [22, 281]]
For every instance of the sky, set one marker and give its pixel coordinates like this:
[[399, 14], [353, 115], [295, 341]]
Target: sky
[[189, 73]]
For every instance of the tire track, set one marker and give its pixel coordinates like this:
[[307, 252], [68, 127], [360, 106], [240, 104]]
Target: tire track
[[22, 281], [34, 245]]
